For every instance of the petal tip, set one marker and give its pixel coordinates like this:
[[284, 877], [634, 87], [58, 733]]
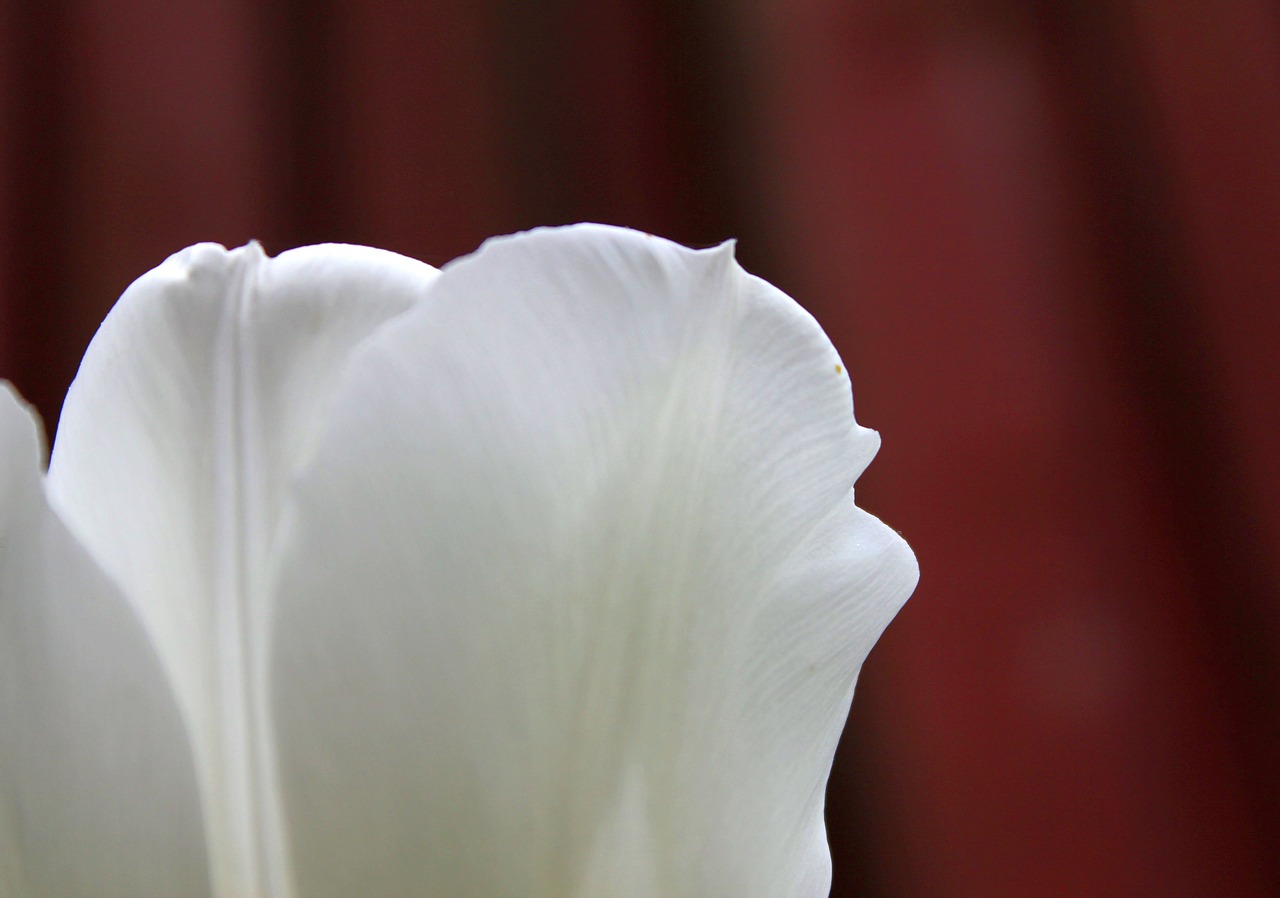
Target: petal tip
[[253, 249], [22, 442], [197, 255], [728, 248], [13, 408]]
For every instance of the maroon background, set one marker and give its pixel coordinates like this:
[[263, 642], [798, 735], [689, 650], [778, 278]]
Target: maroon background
[[1044, 236]]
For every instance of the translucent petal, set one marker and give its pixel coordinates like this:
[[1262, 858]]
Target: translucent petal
[[97, 786], [574, 592], [200, 394]]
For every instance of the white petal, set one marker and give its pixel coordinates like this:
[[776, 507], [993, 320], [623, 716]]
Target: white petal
[[199, 395], [97, 786], [575, 593]]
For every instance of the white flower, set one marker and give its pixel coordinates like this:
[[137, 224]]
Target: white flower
[[536, 576]]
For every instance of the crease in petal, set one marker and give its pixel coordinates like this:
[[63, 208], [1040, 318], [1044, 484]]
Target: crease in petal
[[575, 577], [196, 400], [622, 860], [98, 793]]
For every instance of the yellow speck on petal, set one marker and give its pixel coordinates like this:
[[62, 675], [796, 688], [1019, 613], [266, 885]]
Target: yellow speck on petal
[[839, 370]]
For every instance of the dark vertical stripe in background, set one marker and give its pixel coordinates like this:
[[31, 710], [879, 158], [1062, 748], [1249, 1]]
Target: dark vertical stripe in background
[[1042, 235], [1148, 259], [39, 216], [309, 145]]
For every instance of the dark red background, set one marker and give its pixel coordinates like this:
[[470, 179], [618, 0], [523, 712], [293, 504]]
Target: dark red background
[[1043, 235]]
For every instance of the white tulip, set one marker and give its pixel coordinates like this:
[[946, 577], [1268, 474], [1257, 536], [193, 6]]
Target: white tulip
[[536, 576]]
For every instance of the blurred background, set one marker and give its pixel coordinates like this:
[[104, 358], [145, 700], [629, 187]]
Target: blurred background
[[1043, 235]]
